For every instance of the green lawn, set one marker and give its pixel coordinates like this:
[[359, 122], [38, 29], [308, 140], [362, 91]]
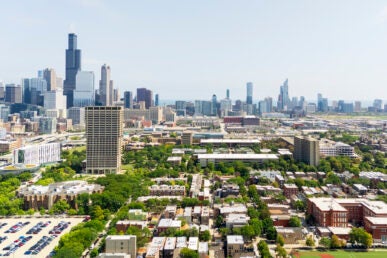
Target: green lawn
[[345, 254]]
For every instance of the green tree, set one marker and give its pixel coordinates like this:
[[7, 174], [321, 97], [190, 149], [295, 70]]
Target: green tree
[[60, 206], [188, 253], [360, 236], [97, 212], [294, 222], [263, 249], [271, 233], [205, 236], [310, 241], [326, 242], [281, 252], [280, 240], [335, 242]]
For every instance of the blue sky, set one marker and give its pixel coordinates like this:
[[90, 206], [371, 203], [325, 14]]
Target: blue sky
[[193, 49]]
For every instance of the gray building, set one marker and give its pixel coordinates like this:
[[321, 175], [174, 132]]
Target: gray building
[[249, 95], [103, 139], [13, 93], [306, 149], [77, 115], [128, 99], [47, 125], [106, 87]]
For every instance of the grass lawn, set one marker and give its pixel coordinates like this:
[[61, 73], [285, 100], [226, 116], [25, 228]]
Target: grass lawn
[[343, 254]]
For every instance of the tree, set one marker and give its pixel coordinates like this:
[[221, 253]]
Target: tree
[[97, 212], [335, 242], [281, 252], [188, 253], [280, 240], [60, 206], [257, 226], [248, 232], [271, 233], [263, 249], [310, 241], [325, 242], [205, 236], [294, 222], [360, 236]]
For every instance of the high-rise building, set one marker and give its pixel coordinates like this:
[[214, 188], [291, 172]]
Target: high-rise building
[[378, 104], [106, 87], [145, 95], [214, 104], [180, 107], [249, 97], [306, 149], [283, 98], [55, 103], [225, 106], [357, 107], [228, 93], [84, 91], [157, 100], [104, 139], [73, 65], [116, 94], [128, 99], [33, 90], [77, 115], [13, 93], [47, 125], [49, 76]]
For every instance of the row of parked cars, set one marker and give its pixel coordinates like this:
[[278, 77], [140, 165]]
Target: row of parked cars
[[11, 248], [42, 243], [38, 227], [2, 239], [59, 228], [15, 228], [3, 225]]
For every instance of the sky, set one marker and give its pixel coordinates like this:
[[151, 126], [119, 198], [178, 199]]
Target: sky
[[192, 49]]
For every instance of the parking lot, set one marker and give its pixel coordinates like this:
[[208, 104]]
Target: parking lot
[[32, 237]]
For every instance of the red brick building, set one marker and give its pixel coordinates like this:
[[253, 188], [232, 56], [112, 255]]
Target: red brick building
[[290, 189], [377, 227]]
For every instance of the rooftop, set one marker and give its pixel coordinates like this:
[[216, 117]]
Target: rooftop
[[235, 240]]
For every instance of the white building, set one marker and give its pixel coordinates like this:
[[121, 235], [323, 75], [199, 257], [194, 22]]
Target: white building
[[121, 244], [55, 102], [331, 148], [37, 154]]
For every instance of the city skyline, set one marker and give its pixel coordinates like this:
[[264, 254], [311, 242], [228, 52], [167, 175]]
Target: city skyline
[[191, 51]]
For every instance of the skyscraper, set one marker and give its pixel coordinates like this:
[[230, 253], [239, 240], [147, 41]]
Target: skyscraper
[[128, 99], [157, 100], [73, 65], [103, 138], [84, 91], [214, 105], [106, 87], [283, 98], [145, 95], [33, 90], [50, 76], [13, 93], [249, 97], [228, 94]]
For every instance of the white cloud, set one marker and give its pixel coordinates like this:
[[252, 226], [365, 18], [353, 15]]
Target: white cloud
[[382, 15]]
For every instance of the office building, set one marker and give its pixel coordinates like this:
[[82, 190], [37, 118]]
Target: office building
[[157, 100], [122, 244], [49, 75], [249, 97], [104, 138], [73, 65], [128, 99], [47, 125], [378, 104], [357, 107], [37, 154], [55, 101], [306, 149], [214, 106], [77, 115], [228, 94], [180, 107], [33, 90], [106, 87], [283, 98], [84, 89], [13, 93], [145, 95]]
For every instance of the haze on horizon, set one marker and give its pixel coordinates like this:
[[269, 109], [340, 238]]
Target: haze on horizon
[[193, 49]]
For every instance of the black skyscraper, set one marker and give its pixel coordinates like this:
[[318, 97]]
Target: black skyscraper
[[73, 65]]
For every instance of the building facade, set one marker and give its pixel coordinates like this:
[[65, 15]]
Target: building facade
[[104, 139]]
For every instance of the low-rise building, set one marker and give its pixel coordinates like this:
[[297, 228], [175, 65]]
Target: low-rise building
[[165, 224], [377, 227], [37, 196], [235, 245], [291, 235], [121, 244], [37, 154], [236, 220], [167, 190], [289, 190]]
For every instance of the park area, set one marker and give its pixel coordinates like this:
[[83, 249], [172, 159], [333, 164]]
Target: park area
[[340, 254]]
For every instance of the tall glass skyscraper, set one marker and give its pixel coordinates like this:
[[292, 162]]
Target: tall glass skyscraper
[[73, 65], [84, 92], [249, 97]]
